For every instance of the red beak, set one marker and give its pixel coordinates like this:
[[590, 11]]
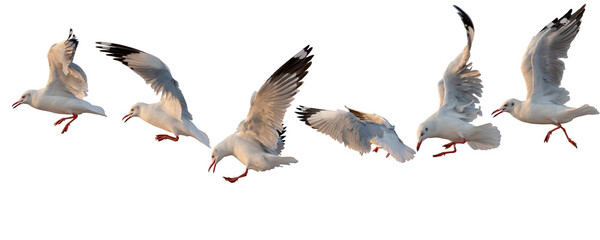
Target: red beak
[[127, 117], [498, 111], [16, 104], [419, 145], [214, 163]]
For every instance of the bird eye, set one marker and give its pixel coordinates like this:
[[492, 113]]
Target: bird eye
[[131, 110], [426, 129], [512, 104], [505, 105], [422, 134]]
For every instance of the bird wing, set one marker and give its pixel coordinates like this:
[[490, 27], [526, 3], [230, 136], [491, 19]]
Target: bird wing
[[72, 81], [342, 126], [461, 84], [269, 104], [541, 66], [154, 72]]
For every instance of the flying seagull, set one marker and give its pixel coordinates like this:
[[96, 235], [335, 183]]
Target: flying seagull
[[357, 130], [258, 141], [458, 91], [171, 112], [543, 71], [67, 85]]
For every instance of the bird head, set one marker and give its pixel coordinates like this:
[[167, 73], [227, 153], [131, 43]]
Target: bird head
[[426, 130], [508, 106], [133, 112], [215, 157], [25, 98]]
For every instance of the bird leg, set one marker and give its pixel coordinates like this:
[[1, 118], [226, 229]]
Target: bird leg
[[161, 137], [234, 179], [387, 155], [565, 131], [69, 123], [448, 145], [376, 149]]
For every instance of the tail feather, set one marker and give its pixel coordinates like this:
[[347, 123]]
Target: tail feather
[[275, 161], [484, 137], [97, 110], [578, 112], [200, 136]]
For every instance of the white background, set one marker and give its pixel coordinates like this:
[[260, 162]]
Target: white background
[[105, 179]]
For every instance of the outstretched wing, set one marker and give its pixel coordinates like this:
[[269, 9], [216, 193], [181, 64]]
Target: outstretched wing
[[66, 78], [462, 85], [154, 72], [269, 104], [340, 125], [541, 66]]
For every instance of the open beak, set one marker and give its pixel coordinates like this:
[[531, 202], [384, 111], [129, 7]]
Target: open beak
[[498, 111], [214, 163], [419, 145], [127, 117], [16, 104]]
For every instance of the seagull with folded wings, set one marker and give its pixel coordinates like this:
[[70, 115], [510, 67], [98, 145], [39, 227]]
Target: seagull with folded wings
[[171, 112], [67, 85]]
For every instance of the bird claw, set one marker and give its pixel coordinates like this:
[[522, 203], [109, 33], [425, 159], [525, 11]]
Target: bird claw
[[161, 137], [231, 180], [376, 149], [440, 154], [573, 142], [448, 145], [387, 155]]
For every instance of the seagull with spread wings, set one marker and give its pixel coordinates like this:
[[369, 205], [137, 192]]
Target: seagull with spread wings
[[543, 72], [258, 141], [67, 85], [171, 112], [458, 91], [357, 130]]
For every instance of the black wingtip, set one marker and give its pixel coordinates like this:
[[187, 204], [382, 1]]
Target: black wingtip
[[117, 51], [465, 18], [304, 113]]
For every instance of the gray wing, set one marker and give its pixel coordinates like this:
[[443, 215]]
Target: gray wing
[[270, 102], [541, 66], [342, 126], [72, 81], [462, 85], [154, 72]]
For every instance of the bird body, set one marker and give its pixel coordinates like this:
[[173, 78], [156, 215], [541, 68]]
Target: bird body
[[66, 87], [458, 91], [543, 71], [170, 113], [258, 141]]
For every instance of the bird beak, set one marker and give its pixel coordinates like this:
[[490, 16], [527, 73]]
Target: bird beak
[[419, 145], [16, 104], [214, 163], [127, 117], [498, 111]]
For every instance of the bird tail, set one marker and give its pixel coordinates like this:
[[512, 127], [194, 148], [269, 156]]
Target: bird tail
[[97, 110], [484, 137], [578, 112], [276, 161], [200, 136]]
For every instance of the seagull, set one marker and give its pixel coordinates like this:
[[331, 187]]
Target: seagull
[[357, 130], [67, 85], [458, 91], [258, 141], [543, 71], [171, 112]]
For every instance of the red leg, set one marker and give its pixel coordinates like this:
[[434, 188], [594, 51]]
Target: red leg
[[234, 179], [548, 134], [451, 144], [387, 155], [567, 135], [161, 137], [68, 124], [376, 149]]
